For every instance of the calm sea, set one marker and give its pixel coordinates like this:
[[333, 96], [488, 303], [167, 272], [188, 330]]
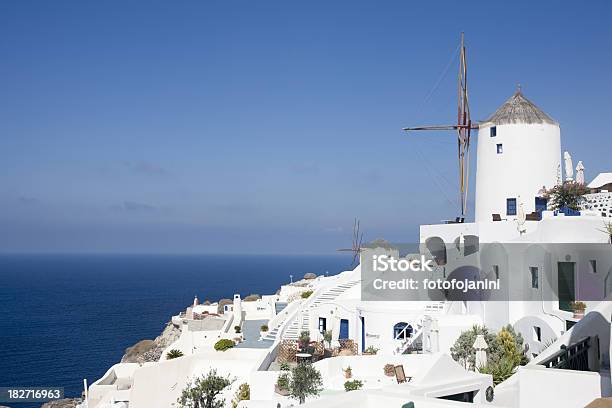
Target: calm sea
[[68, 317]]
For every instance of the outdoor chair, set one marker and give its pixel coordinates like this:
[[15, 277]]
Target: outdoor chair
[[534, 216], [400, 376]]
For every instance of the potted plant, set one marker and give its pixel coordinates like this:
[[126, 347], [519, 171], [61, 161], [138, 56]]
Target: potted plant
[[389, 370], [348, 372], [578, 308], [371, 350], [327, 337], [607, 229], [282, 384]]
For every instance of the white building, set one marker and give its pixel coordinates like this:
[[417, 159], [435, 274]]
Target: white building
[[542, 258]]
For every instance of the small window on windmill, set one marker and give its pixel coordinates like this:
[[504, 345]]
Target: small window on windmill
[[534, 277], [500, 148], [593, 264], [493, 131], [496, 271]]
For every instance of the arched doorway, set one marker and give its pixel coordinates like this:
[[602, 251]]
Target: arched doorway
[[402, 331]]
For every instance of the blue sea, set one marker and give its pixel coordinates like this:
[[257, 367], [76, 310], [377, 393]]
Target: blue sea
[[68, 317]]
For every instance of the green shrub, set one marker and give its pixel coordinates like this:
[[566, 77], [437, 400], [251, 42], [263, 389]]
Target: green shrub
[[174, 353], [242, 394], [264, 328], [306, 294], [224, 344], [285, 367], [569, 194], [463, 351], [352, 385], [501, 370], [507, 344], [283, 380], [371, 350]]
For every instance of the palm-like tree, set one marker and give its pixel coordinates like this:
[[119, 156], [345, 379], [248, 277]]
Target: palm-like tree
[[174, 353]]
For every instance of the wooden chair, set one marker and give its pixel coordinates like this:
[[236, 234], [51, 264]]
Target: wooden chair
[[534, 216], [400, 376]]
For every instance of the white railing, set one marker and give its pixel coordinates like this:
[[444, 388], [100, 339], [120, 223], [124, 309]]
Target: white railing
[[228, 324], [405, 340], [284, 314], [308, 302]]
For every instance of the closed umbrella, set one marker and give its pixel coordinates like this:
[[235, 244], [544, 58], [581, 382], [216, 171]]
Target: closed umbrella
[[481, 346], [335, 330], [521, 217]]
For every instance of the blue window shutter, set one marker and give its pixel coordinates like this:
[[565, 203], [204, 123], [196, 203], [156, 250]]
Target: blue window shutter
[[511, 206]]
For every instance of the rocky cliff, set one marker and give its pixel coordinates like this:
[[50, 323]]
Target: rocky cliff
[[151, 350]]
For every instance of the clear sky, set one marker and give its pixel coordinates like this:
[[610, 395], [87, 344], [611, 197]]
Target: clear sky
[[266, 126]]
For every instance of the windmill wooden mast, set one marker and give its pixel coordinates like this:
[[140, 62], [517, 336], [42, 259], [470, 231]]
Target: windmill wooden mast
[[463, 127]]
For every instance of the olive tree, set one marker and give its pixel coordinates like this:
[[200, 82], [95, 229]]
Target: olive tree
[[203, 392], [305, 382], [463, 350]]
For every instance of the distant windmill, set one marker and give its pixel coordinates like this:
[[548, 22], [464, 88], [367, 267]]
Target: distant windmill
[[357, 244]]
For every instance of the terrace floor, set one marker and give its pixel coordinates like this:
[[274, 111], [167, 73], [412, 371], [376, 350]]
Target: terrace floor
[[251, 335]]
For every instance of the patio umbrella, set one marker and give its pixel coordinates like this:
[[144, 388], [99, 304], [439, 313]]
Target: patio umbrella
[[521, 218], [335, 330], [481, 346], [580, 173]]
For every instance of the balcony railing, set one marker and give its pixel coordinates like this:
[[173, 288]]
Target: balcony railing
[[572, 357]]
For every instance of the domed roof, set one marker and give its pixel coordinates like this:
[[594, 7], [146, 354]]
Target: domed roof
[[519, 109]]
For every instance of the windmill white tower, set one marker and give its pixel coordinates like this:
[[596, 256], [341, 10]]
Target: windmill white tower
[[519, 151]]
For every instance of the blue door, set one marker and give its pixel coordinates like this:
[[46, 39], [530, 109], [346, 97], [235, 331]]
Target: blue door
[[540, 204], [344, 331], [362, 334]]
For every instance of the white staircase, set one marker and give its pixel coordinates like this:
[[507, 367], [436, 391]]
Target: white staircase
[[431, 309], [301, 321], [405, 345]]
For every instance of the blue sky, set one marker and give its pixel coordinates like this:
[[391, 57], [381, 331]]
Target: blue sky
[[241, 126]]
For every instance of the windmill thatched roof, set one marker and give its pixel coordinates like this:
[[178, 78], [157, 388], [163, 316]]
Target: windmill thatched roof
[[519, 109]]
